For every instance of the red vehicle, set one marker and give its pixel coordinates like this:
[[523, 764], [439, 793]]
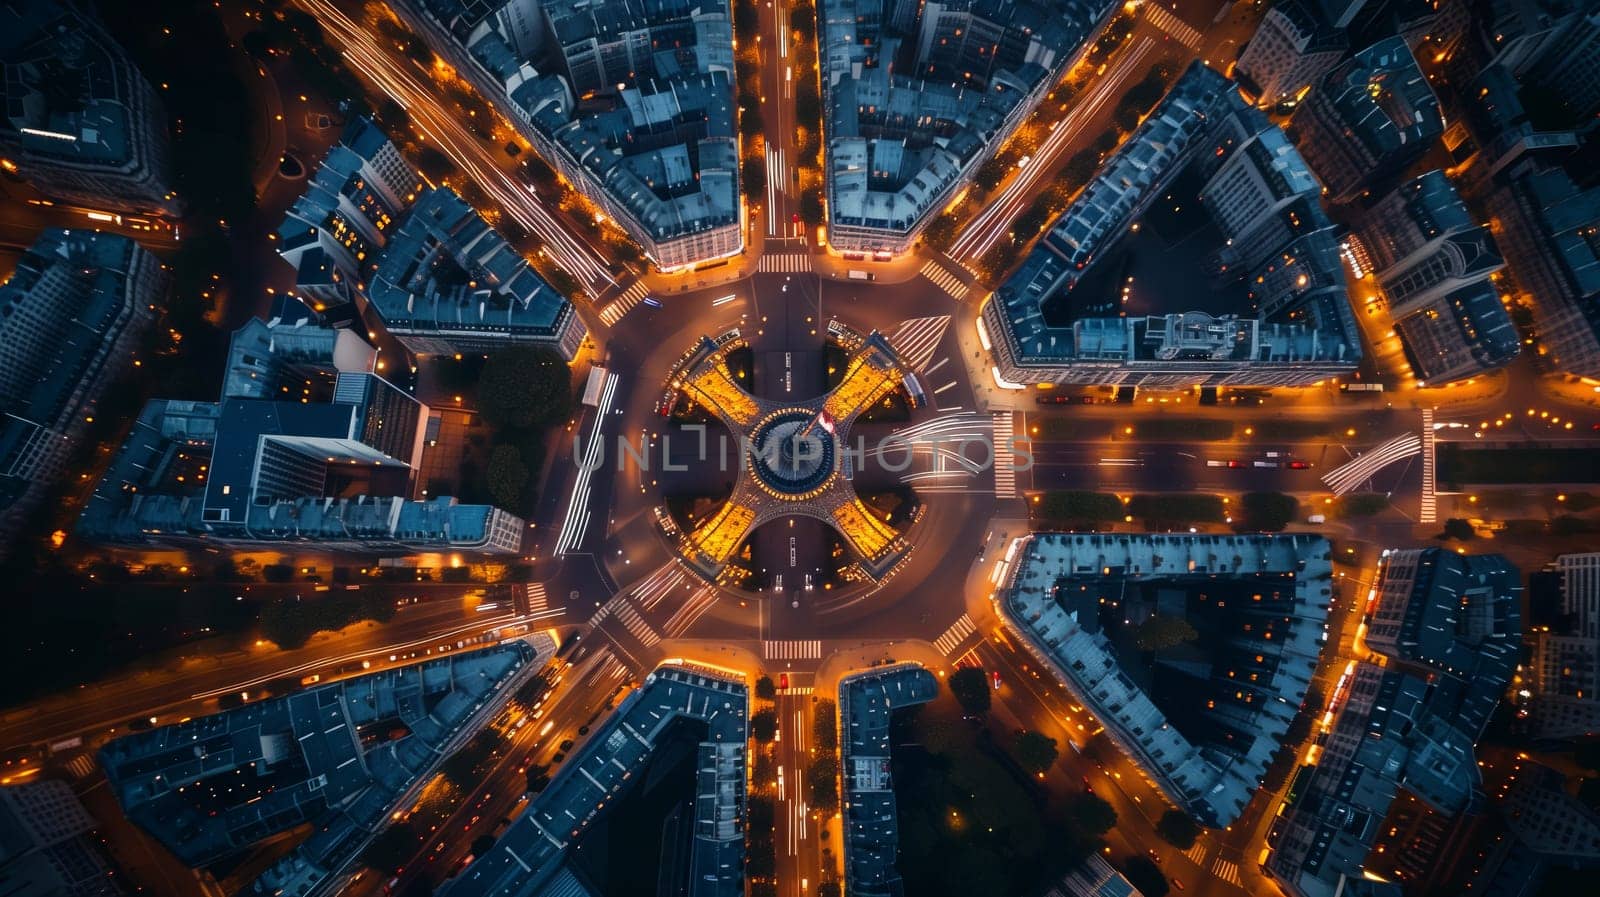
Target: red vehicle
[[1299, 465], [783, 680], [995, 677], [1236, 463], [795, 217]]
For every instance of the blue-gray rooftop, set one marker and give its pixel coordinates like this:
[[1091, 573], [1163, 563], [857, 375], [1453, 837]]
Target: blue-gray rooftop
[[867, 701], [533, 851]]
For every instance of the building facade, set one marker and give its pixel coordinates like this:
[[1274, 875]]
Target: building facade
[[46, 848], [1434, 263], [1549, 231], [335, 232], [81, 123], [911, 112], [1292, 49], [631, 101], [70, 317], [1293, 323], [335, 464], [1367, 120]]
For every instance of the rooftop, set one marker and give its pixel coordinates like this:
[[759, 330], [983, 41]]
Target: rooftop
[[337, 755], [907, 117], [867, 700], [533, 851], [1258, 605]]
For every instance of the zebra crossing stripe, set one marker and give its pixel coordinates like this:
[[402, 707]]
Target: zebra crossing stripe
[[636, 625], [945, 280], [534, 592], [916, 340], [791, 650], [1227, 870], [613, 313], [955, 635], [1171, 24], [784, 263], [1429, 513], [1005, 468], [1197, 853]]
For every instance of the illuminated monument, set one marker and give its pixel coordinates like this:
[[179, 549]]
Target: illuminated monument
[[791, 462]]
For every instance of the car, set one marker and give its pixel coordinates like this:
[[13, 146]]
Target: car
[[1299, 465], [1235, 463], [783, 680], [795, 217], [1177, 884], [652, 301], [995, 677], [1154, 855]]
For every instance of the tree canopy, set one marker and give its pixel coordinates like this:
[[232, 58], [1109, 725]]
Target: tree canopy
[[764, 725], [971, 688], [1161, 632], [523, 387], [1035, 751], [1092, 814], [1178, 829]]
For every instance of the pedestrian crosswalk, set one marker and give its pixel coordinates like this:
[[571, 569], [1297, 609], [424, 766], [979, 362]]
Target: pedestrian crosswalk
[[791, 650], [1005, 467], [1430, 497], [945, 280], [81, 766], [955, 635], [530, 597], [635, 623], [1197, 853], [799, 690], [1227, 870], [916, 340], [613, 313], [784, 263], [1171, 24]]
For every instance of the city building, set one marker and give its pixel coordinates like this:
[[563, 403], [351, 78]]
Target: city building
[[336, 230], [632, 101], [1449, 627], [867, 701], [1549, 231], [1204, 717], [1292, 49], [70, 317], [1549, 46], [45, 848], [913, 105], [81, 123], [1094, 878], [1434, 263], [531, 857], [307, 444], [1553, 822], [1271, 306], [1367, 120], [1566, 656], [341, 756], [1493, 131], [447, 283]]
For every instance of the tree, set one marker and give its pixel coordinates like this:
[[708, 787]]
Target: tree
[[1459, 529], [1267, 511], [1178, 829], [988, 175], [825, 783], [1092, 814], [1161, 632], [508, 478], [1072, 506], [828, 889], [765, 690], [1146, 877], [1360, 504], [764, 725], [811, 207], [1035, 752], [824, 726], [523, 387], [754, 170], [971, 688], [538, 778]]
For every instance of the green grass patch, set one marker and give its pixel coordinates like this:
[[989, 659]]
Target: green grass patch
[[1070, 507]]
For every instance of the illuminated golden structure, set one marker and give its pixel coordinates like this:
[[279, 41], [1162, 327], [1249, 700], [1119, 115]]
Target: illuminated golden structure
[[790, 461]]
